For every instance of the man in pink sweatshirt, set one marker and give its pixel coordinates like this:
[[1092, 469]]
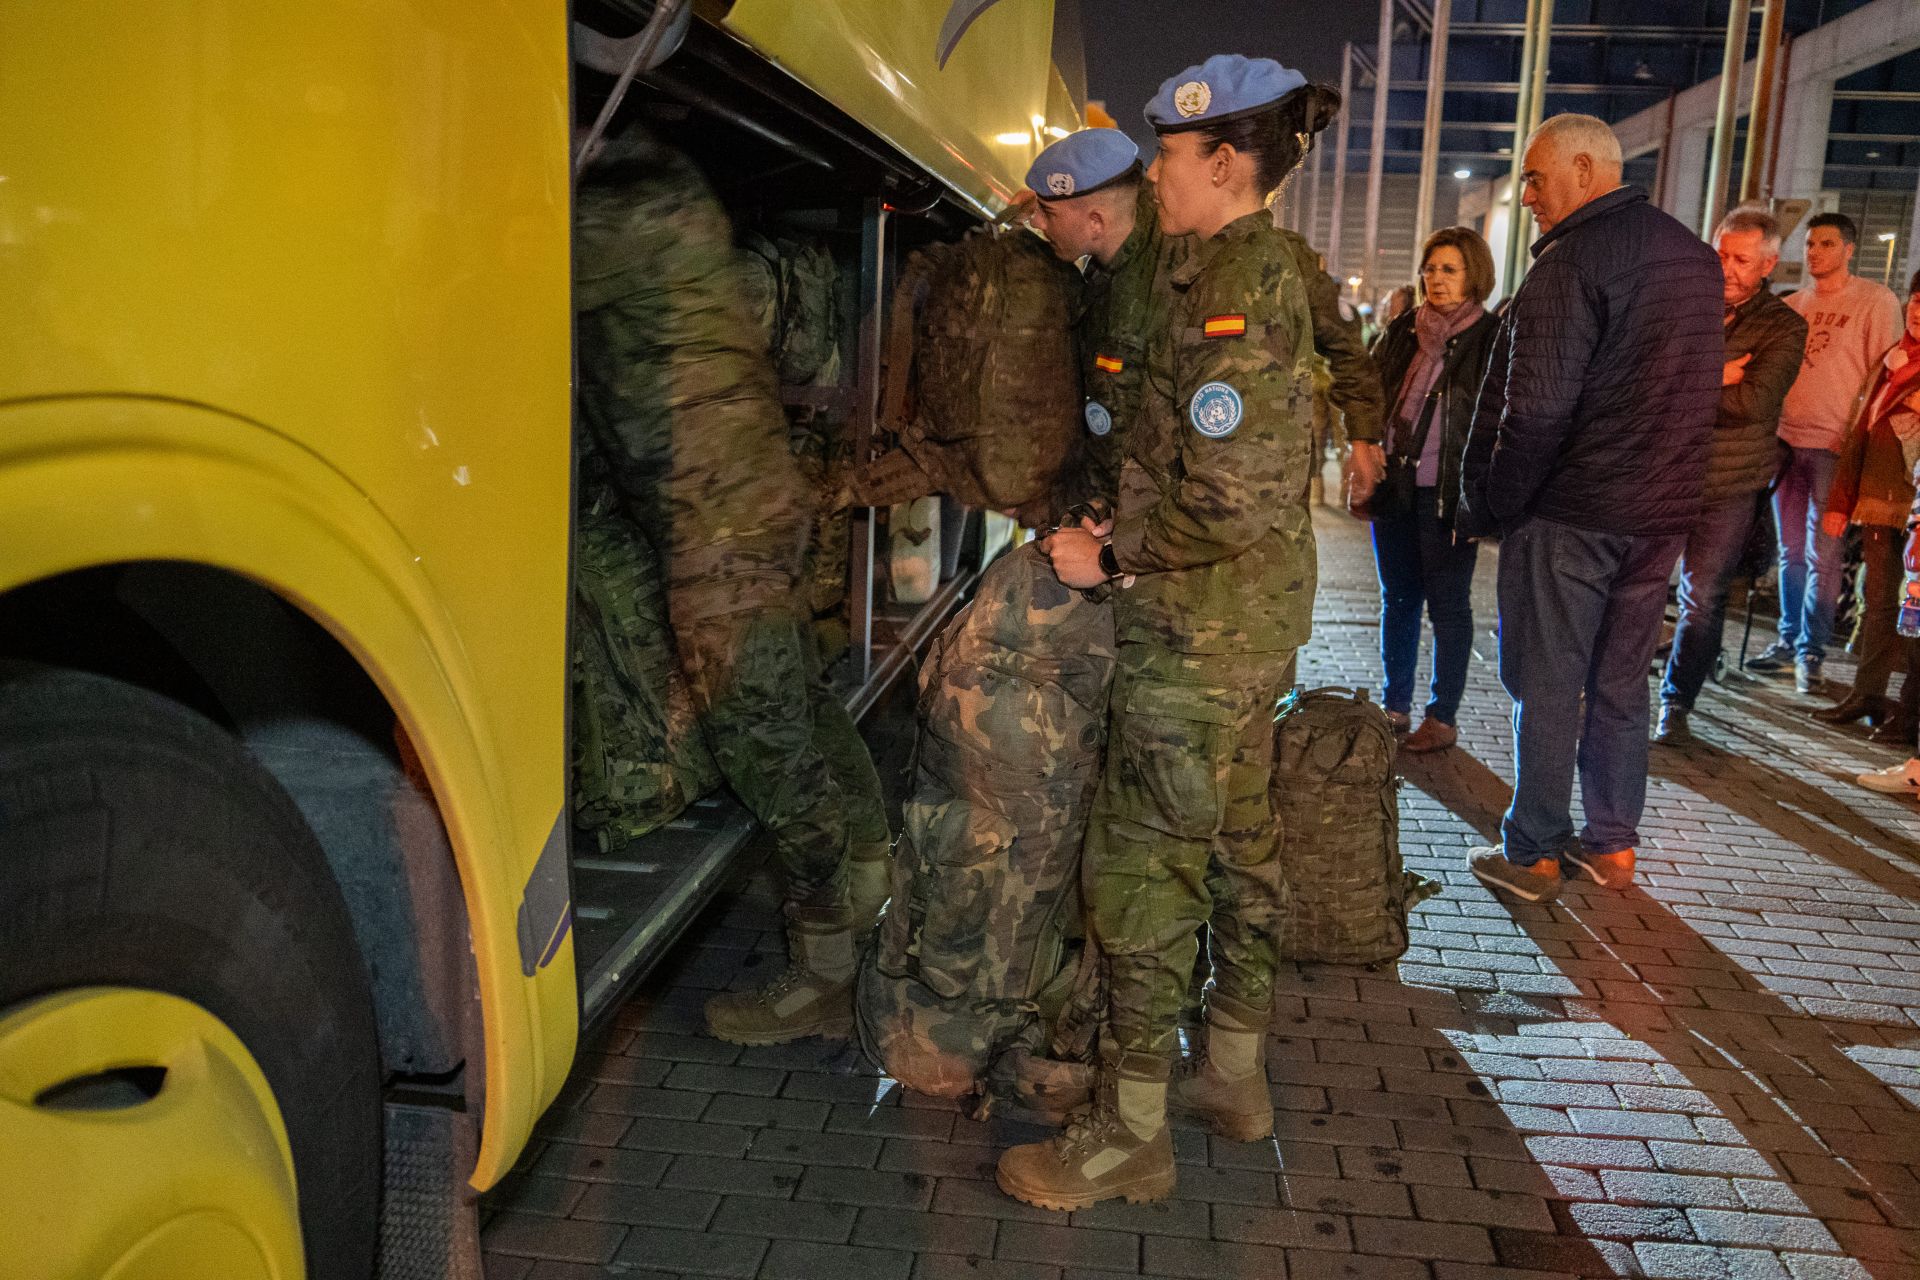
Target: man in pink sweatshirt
[[1851, 322]]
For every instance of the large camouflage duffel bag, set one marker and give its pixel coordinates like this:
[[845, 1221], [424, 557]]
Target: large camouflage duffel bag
[[1336, 801], [982, 391], [638, 754], [979, 980]]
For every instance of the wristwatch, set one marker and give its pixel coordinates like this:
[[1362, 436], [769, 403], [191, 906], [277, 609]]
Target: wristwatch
[[1109, 565]]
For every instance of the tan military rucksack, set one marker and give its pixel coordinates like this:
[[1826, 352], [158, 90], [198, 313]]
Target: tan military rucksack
[[1336, 802], [983, 392]]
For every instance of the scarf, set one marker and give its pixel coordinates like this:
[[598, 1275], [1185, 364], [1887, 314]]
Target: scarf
[[1434, 329], [1903, 369]]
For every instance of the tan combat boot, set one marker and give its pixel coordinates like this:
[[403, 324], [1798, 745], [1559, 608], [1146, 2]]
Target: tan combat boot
[[1120, 1146], [813, 997], [1227, 1086]]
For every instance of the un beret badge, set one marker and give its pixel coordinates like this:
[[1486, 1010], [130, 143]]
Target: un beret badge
[[1060, 184], [1192, 98]]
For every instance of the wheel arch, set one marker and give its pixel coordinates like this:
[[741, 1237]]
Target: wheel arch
[[320, 647]]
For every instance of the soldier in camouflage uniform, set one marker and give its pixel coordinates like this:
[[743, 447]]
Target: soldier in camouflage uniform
[[1092, 202], [1355, 389], [1082, 186], [1212, 524], [684, 412]]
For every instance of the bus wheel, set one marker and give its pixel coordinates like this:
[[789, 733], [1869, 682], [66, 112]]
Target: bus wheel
[[189, 1076]]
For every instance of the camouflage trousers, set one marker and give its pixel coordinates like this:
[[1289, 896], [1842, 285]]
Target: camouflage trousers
[[1182, 835], [785, 745]]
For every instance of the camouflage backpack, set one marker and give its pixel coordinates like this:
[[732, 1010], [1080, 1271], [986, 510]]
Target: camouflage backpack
[[638, 754], [980, 979], [760, 284], [983, 391], [810, 321], [1336, 802]]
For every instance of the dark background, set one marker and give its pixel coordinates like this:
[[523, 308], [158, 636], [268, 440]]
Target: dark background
[[1133, 45]]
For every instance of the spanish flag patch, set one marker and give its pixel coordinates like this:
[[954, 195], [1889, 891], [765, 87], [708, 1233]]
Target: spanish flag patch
[[1225, 326], [1109, 364]]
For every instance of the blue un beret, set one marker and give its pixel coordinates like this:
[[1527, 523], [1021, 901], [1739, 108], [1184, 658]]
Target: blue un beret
[[1082, 162], [1224, 87]]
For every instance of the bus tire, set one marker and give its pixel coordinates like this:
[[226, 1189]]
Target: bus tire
[[141, 846]]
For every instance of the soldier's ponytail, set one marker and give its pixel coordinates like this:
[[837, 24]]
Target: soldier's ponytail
[[1277, 138]]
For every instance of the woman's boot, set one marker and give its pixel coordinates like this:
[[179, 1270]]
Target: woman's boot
[[1227, 1086]]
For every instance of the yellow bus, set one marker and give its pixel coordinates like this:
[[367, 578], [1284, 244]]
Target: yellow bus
[[294, 949]]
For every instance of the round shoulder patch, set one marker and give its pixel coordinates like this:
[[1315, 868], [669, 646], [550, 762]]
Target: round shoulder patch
[[1216, 410], [1099, 420]]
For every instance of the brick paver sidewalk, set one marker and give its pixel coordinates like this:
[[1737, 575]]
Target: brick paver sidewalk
[[1716, 1074]]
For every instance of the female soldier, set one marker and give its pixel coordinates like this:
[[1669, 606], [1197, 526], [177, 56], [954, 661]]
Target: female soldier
[[1212, 529]]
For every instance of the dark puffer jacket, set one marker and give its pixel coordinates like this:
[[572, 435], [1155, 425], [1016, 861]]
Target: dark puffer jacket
[[1746, 450], [1458, 388], [1600, 397]]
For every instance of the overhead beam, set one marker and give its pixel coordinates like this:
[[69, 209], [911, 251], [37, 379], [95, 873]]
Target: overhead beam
[[1868, 36], [1591, 31], [1513, 86]]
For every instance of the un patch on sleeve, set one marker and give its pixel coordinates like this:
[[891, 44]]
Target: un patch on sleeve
[[1099, 420], [1216, 410]]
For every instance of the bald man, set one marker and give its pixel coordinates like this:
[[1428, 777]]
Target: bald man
[[1587, 455]]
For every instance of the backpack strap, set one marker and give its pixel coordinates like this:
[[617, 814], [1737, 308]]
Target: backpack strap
[[909, 292]]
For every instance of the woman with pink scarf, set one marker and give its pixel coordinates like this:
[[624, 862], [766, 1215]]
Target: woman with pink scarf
[[1431, 361]]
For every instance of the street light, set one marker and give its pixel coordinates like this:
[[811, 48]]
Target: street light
[[1886, 272], [1463, 174]]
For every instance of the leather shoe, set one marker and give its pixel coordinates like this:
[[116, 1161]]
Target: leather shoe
[[1432, 735], [1898, 730], [1674, 730], [1855, 706]]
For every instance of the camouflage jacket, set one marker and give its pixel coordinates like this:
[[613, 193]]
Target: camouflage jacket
[[676, 386], [1125, 304], [1212, 514], [1356, 383]]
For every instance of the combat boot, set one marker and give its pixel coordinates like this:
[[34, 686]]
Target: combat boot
[[1118, 1147], [1227, 1086], [813, 997]]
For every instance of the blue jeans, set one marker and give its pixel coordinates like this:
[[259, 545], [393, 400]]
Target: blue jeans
[[1809, 559], [1706, 570], [1580, 615], [1419, 562]]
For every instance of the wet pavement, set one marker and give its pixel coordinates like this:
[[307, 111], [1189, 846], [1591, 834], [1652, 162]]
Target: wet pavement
[[1714, 1074]]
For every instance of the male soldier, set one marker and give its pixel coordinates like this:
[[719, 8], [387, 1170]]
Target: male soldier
[[1355, 389], [1091, 201], [680, 397]]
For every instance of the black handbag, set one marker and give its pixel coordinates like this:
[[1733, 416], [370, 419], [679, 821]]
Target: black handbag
[[1395, 495]]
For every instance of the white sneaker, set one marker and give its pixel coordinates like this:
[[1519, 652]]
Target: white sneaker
[[1899, 780]]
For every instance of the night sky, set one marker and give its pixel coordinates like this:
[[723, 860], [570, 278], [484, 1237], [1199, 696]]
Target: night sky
[[1133, 45]]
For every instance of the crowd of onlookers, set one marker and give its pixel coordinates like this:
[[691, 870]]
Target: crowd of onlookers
[[1634, 407]]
